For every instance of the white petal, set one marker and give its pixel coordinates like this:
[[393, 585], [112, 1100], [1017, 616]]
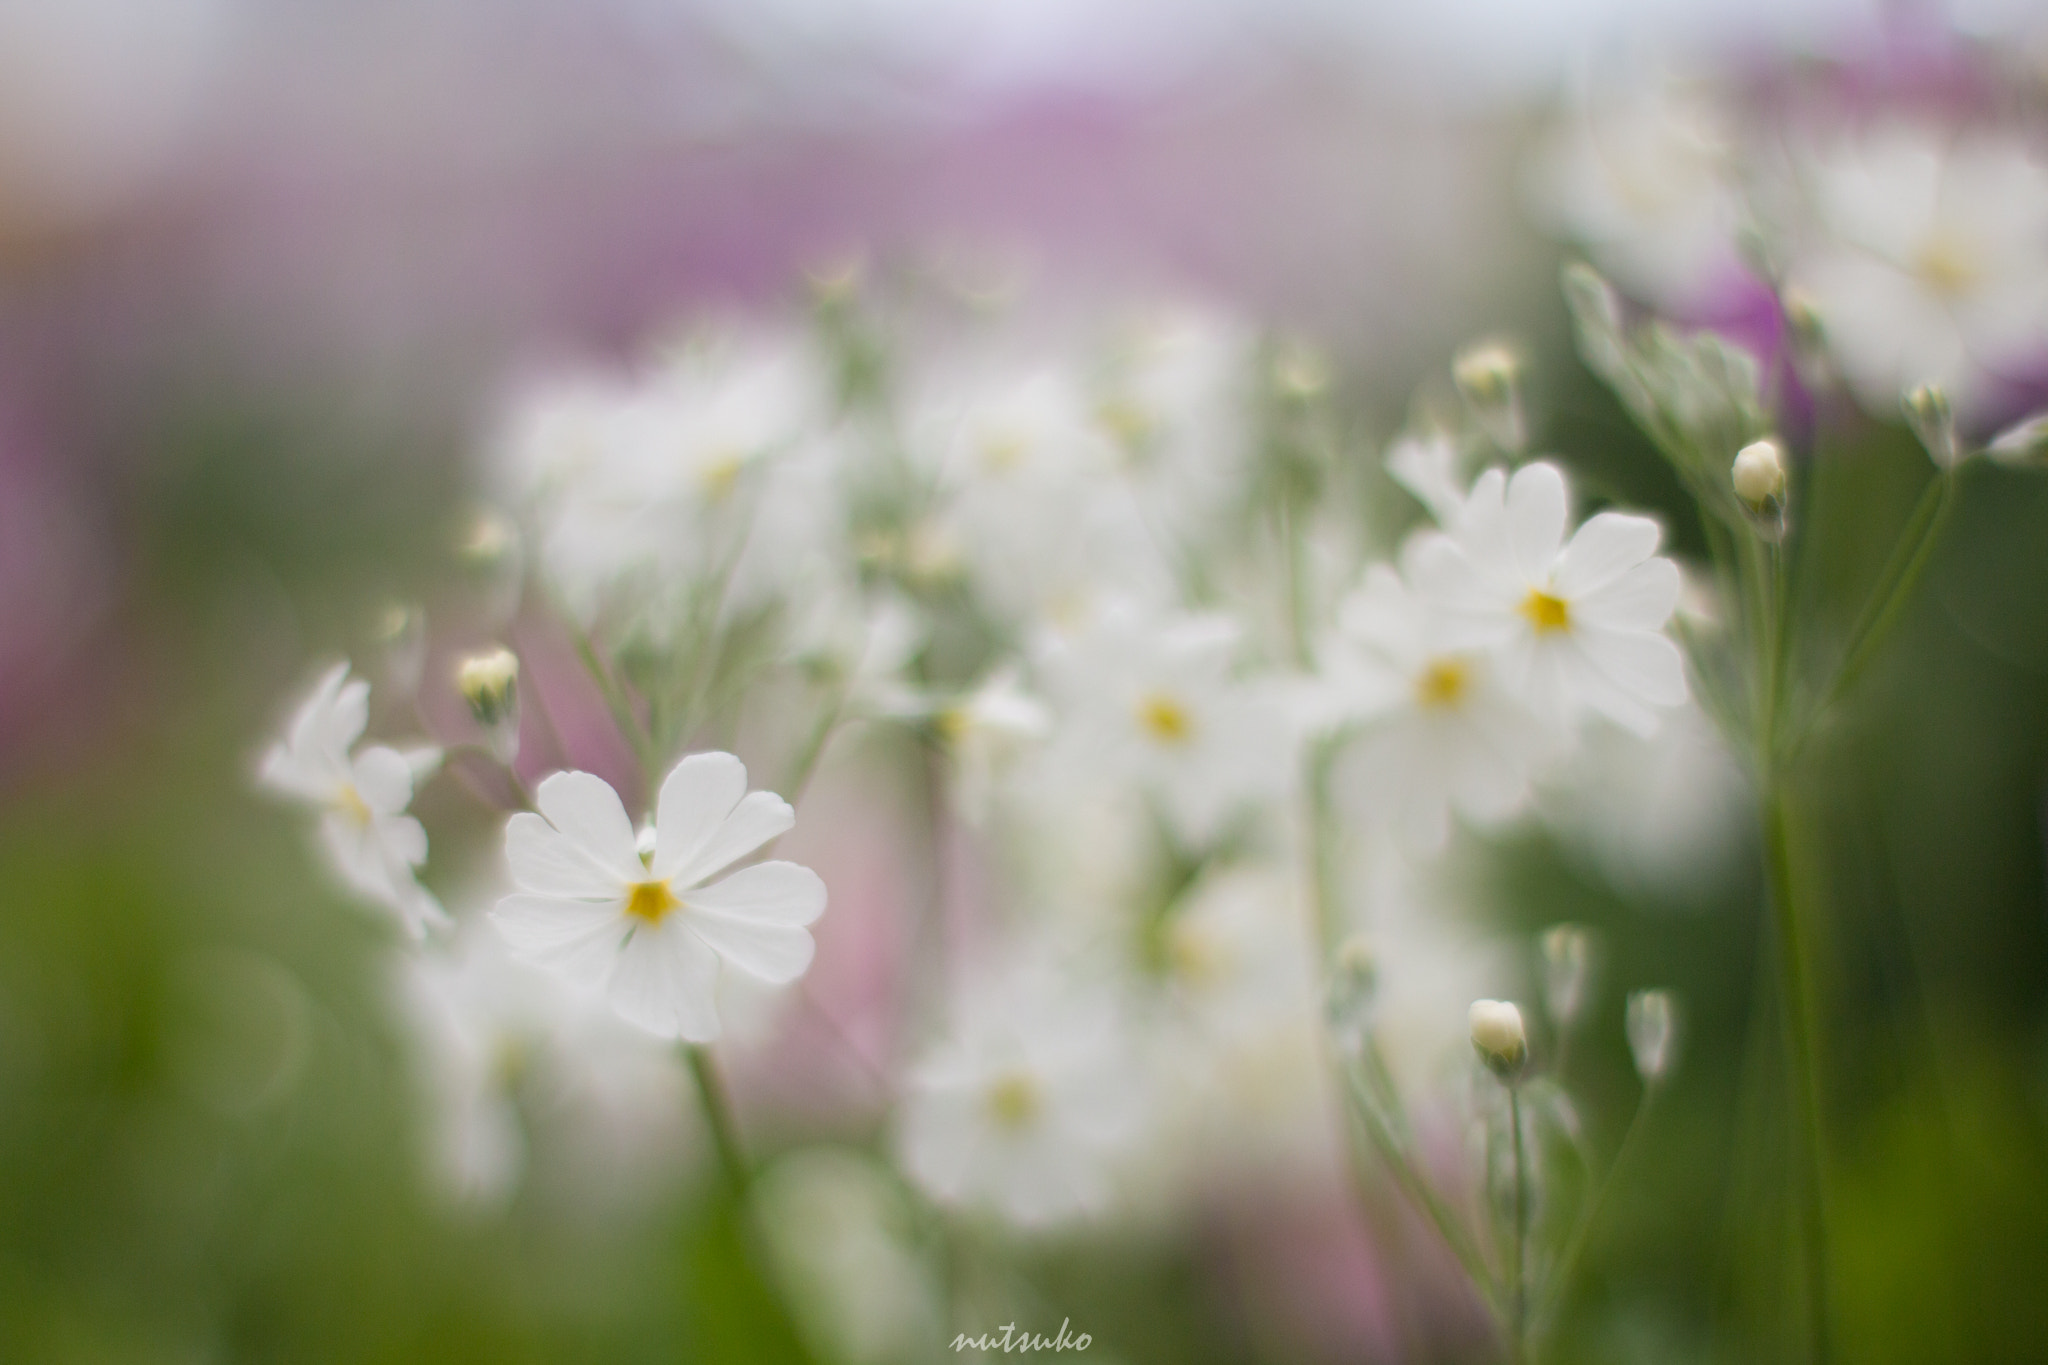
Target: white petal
[[756, 820], [768, 893], [579, 939], [584, 807], [1643, 598], [665, 982], [403, 838], [695, 799], [544, 859], [1538, 504], [776, 953], [1648, 667], [1604, 548], [383, 779]]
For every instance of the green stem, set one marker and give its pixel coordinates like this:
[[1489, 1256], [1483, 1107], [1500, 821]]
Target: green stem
[[1518, 1283], [615, 701], [1567, 1261], [1895, 585], [725, 1138], [1802, 1070]]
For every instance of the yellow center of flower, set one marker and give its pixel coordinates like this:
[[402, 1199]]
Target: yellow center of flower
[[1128, 423], [1014, 1100], [648, 902], [1003, 452], [721, 474], [1165, 719], [1546, 611], [1946, 265], [953, 724], [350, 802], [1444, 683], [1194, 957]]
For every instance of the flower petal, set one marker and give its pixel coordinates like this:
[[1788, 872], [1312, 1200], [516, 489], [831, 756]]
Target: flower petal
[[1537, 506], [1640, 599], [768, 893], [584, 807], [665, 982], [383, 779], [544, 859], [579, 939], [776, 953], [756, 820], [1607, 546], [696, 797]]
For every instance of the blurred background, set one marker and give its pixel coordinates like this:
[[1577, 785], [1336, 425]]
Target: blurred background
[[266, 271]]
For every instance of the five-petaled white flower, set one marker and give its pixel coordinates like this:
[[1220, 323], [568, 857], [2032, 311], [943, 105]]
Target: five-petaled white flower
[[362, 797], [632, 915], [1573, 627]]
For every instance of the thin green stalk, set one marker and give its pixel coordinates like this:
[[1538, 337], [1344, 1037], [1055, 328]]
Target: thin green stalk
[[725, 1138], [1567, 1262], [1895, 585], [1796, 995], [1518, 1280], [615, 701]]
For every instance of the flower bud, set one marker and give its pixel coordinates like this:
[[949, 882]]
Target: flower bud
[[1653, 1033], [489, 549], [1489, 374], [1567, 971], [1300, 371], [490, 684], [1759, 473], [1499, 1038], [1354, 982], [402, 634], [1934, 422]]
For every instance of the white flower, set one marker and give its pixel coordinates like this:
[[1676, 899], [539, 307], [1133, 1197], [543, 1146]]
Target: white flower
[[1026, 1107], [1153, 703], [1437, 730], [1498, 1034], [1929, 263], [646, 929], [986, 732], [1575, 626], [362, 797], [1644, 177]]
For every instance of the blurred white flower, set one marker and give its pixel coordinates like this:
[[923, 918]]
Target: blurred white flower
[[1436, 730], [362, 797], [646, 488], [1927, 259], [643, 926], [986, 732], [1029, 1102], [1151, 701], [1644, 176], [1575, 627]]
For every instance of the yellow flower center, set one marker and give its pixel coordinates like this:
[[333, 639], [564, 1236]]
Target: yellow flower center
[[1128, 423], [1445, 682], [649, 902], [721, 473], [350, 802], [1165, 719], [953, 723], [1014, 1101], [1946, 265], [1546, 611], [1194, 957], [1003, 452]]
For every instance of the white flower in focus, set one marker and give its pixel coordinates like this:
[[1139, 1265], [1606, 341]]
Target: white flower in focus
[[1928, 263], [1645, 177], [1436, 730], [645, 927], [370, 840], [1152, 702], [1027, 1106], [1573, 626]]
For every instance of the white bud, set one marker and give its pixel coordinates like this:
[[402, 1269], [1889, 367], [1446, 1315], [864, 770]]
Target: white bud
[[1759, 472], [1498, 1035], [1489, 374], [402, 632], [489, 682], [1934, 422], [1653, 1033], [1567, 971]]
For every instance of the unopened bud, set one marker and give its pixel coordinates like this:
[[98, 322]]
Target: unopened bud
[[1489, 374], [1354, 980], [1653, 1033], [1759, 473], [490, 684], [1567, 971], [1807, 335], [1934, 422], [1300, 370], [489, 548], [1499, 1038], [402, 634]]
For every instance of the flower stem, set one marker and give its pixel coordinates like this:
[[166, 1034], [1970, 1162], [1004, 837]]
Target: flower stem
[[1518, 1281], [1796, 1003], [718, 1117]]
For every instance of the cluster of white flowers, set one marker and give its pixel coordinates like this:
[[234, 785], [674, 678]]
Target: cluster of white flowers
[[1915, 244], [1090, 584]]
